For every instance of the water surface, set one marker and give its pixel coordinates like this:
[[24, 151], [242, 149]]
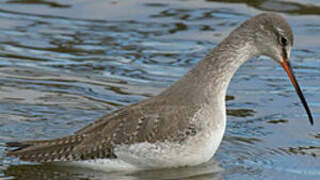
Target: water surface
[[66, 63]]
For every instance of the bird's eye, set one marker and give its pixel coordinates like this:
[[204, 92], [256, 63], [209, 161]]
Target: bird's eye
[[284, 41]]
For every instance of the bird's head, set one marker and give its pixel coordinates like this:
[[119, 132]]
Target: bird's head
[[273, 37]]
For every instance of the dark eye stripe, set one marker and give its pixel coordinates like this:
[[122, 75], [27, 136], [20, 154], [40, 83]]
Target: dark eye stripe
[[284, 53]]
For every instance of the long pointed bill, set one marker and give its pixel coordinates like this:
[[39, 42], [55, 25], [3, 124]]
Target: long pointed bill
[[287, 67]]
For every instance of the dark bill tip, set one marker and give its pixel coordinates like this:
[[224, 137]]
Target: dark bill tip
[[287, 67]]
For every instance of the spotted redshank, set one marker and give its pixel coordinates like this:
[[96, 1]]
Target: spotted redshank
[[183, 125]]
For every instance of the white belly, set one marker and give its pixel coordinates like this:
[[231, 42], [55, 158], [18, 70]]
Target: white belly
[[195, 150]]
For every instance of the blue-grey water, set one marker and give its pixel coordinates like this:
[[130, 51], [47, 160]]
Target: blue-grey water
[[63, 64]]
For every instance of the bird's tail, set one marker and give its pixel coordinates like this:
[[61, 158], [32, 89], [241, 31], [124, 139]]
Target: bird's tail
[[45, 151]]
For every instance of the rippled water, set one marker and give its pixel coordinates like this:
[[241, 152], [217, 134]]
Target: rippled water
[[66, 63]]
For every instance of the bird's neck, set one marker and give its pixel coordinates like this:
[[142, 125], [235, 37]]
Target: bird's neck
[[207, 82]]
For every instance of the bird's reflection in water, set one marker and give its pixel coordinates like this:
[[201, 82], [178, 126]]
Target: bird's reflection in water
[[210, 170]]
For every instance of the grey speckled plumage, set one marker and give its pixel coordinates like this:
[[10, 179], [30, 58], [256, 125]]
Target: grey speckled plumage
[[169, 117]]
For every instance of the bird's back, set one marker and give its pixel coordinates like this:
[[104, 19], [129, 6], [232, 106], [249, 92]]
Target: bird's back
[[150, 121]]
